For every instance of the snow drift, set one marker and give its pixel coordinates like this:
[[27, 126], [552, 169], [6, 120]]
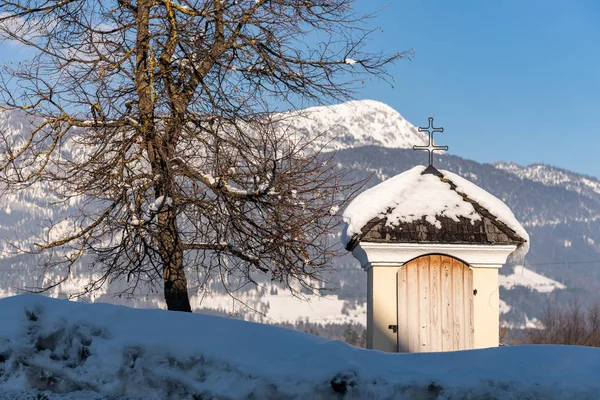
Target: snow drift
[[59, 349]]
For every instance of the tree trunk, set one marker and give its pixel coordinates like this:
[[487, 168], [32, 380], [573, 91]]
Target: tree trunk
[[171, 252], [176, 294], [169, 243]]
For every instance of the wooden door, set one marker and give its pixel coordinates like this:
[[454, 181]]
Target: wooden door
[[435, 305]]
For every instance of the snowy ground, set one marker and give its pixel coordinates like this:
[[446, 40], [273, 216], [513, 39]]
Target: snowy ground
[[284, 307], [54, 349]]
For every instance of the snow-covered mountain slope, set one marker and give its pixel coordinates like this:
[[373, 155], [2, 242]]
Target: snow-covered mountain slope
[[552, 176], [527, 278], [358, 123], [54, 349], [14, 122]]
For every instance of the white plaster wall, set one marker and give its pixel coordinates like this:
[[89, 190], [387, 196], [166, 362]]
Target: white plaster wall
[[382, 262], [370, 317], [382, 308], [486, 307]]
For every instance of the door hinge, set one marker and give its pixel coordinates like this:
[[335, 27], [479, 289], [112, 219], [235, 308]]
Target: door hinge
[[394, 328]]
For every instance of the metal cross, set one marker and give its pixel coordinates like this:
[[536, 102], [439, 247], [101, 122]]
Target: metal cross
[[431, 147]]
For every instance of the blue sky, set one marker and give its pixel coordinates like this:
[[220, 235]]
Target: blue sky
[[508, 80]]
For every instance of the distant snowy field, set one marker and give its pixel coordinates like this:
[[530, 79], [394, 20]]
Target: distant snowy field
[[525, 277], [55, 349]]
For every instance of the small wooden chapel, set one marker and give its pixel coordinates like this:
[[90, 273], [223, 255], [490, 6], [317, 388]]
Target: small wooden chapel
[[431, 243]]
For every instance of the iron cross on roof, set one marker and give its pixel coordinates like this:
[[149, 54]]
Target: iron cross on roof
[[431, 147]]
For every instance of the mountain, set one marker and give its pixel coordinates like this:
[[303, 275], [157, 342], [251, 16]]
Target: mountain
[[560, 210], [551, 176], [358, 123]]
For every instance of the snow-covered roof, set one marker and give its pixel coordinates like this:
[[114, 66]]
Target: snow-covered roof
[[438, 204]]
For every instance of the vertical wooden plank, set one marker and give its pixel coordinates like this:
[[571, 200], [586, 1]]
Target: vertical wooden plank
[[423, 265], [447, 315], [471, 309], [403, 308], [412, 321], [468, 302], [459, 307], [435, 303]]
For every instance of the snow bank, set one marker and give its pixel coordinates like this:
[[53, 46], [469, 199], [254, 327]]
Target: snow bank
[[411, 196], [78, 350]]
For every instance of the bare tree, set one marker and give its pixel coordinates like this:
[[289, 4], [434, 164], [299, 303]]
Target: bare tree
[[159, 113], [568, 324]]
